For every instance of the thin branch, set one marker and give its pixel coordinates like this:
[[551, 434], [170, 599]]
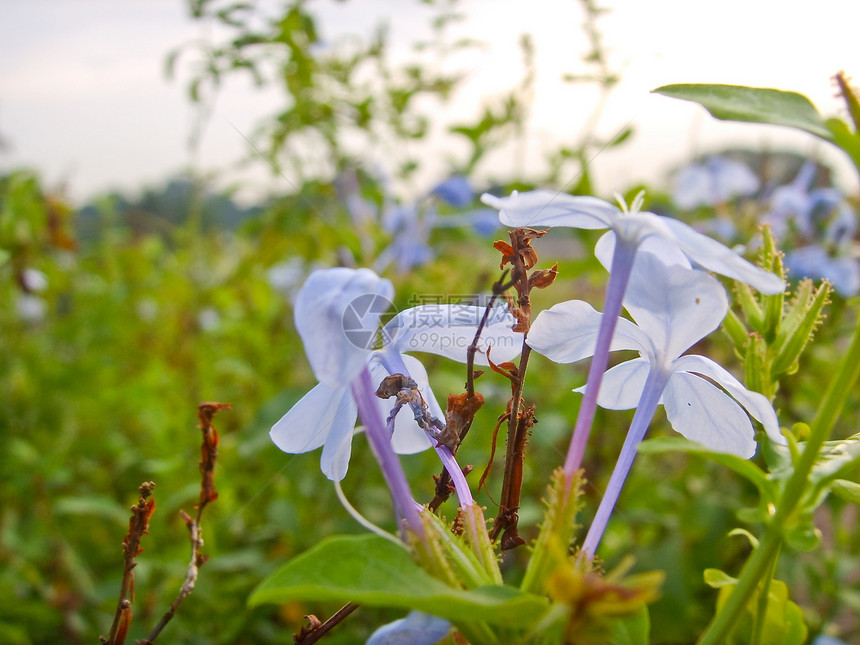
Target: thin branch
[[522, 258], [208, 456], [138, 526], [316, 630]]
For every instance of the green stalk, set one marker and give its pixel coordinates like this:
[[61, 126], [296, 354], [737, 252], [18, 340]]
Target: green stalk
[[757, 565], [763, 601]]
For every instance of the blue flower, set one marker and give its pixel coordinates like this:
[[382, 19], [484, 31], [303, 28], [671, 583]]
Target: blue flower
[[673, 308], [715, 181], [630, 231], [417, 628], [456, 191], [815, 263], [796, 205], [339, 347]]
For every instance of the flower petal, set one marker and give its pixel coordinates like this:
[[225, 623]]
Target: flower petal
[[622, 385], [704, 413], [552, 208], [308, 423], [417, 628], [674, 306], [720, 259], [567, 332], [334, 460], [408, 437], [448, 330], [667, 250], [337, 313], [455, 190], [758, 406]]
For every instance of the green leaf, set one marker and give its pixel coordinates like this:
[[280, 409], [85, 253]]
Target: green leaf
[[835, 459], [715, 578], [803, 317], [743, 467], [847, 490], [753, 105], [631, 630], [843, 137], [783, 619], [372, 571]]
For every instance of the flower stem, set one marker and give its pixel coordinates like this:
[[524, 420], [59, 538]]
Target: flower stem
[[622, 264], [363, 392], [651, 393], [763, 601]]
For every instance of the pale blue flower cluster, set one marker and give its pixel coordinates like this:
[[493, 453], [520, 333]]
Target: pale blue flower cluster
[[410, 224], [650, 259], [714, 181], [823, 226]]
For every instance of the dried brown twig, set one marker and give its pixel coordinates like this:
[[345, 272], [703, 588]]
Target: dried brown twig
[[522, 257], [138, 526], [316, 629], [208, 455]]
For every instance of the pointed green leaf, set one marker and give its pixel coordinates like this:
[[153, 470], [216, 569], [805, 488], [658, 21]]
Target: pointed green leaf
[[846, 139], [847, 490], [733, 326], [798, 326], [752, 105], [743, 467], [750, 306], [372, 571], [715, 578], [835, 459]]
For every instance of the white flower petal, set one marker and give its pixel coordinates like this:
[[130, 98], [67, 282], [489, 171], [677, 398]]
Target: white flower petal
[[719, 258], [667, 250], [622, 385], [337, 312], [567, 332], [308, 423], [704, 413], [448, 330], [552, 208], [334, 460], [758, 406], [674, 306], [417, 628]]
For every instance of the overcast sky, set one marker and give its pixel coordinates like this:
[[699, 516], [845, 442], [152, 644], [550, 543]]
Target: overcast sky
[[84, 98]]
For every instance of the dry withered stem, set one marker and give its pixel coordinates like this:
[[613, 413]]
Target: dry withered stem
[[138, 526], [208, 456], [522, 257], [315, 629]]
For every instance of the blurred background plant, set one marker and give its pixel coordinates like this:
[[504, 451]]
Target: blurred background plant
[[118, 318]]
